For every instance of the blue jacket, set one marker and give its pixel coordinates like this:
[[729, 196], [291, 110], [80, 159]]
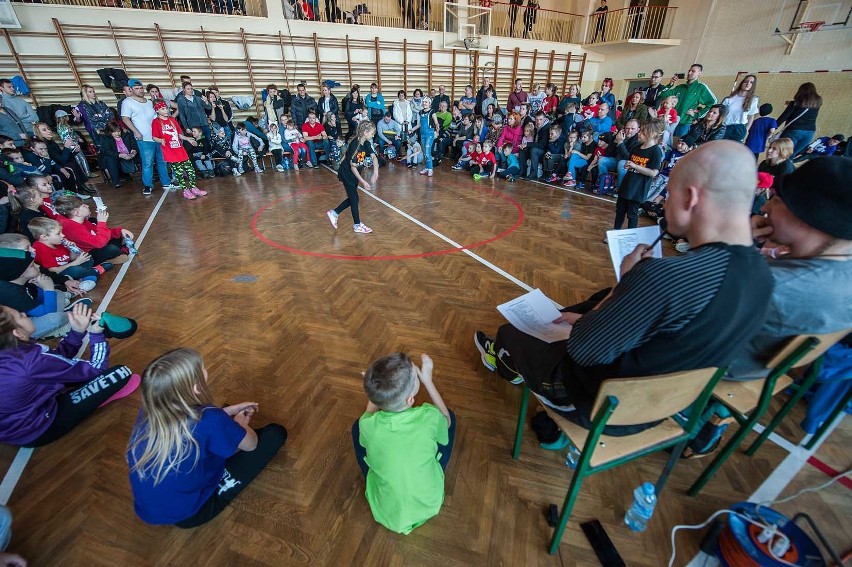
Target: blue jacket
[[375, 106], [599, 125]]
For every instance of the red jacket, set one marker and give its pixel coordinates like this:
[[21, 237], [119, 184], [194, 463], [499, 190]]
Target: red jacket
[[511, 135], [87, 235]]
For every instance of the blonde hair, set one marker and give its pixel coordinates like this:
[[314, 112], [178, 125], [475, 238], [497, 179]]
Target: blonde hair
[[43, 226], [363, 127], [670, 100], [784, 146], [652, 129], [23, 197], [174, 393]]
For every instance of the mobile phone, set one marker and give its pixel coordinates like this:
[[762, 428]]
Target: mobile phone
[[604, 549], [680, 75]]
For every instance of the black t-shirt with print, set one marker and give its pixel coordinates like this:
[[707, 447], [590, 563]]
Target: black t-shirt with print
[[635, 186], [359, 155]]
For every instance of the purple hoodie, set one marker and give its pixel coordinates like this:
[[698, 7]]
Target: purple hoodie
[[33, 375]]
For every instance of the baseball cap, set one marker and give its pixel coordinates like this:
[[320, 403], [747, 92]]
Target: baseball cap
[[134, 83], [60, 113]]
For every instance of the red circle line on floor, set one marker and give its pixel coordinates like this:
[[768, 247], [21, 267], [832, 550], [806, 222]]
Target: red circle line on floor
[[256, 217]]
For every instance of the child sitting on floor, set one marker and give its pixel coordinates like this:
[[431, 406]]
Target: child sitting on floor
[[414, 153], [486, 163], [101, 242], [38, 407], [513, 166], [403, 450], [25, 289], [53, 255], [24, 206], [188, 457]]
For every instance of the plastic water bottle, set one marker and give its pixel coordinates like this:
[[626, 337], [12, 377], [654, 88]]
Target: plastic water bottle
[[573, 457], [644, 501], [131, 246], [72, 247]]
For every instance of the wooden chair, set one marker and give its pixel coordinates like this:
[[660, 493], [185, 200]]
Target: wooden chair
[[748, 401], [629, 401]]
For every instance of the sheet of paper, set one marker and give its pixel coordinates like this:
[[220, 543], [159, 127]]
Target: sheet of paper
[[623, 242], [533, 313], [101, 206]]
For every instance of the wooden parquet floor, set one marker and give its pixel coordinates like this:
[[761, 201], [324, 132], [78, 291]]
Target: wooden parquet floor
[[295, 340]]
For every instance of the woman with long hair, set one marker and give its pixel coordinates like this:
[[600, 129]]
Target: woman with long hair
[[63, 155], [711, 127], [93, 113], [352, 103], [742, 105], [800, 117], [188, 457], [633, 110]]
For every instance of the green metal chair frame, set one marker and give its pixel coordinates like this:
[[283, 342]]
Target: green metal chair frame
[[800, 351], [606, 406]]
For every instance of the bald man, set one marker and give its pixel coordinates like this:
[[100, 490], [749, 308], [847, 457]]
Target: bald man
[[666, 314]]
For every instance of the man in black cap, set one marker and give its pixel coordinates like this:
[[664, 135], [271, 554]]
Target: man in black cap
[[809, 218]]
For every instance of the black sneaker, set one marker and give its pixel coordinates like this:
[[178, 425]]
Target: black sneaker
[[147, 190], [485, 345]]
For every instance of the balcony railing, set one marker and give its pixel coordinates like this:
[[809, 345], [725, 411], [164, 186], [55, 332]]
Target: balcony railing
[[506, 20], [638, 22], [229, 7]]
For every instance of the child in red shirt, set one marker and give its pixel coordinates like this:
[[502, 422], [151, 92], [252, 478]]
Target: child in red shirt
[[167, 131], [100, 241], [52, 254], [551, 101], [485, 164], [590, 110]]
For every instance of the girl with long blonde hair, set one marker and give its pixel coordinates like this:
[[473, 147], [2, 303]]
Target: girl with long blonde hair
[[189, 458]]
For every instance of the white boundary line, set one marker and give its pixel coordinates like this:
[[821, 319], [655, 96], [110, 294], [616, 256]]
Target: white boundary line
[[16, 469]]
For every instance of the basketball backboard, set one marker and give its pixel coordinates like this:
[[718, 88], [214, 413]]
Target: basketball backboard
[[466, 26]]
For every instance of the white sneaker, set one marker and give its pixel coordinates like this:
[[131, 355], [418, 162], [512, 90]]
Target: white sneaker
[[424, 171], [362, 228], [172, 187], [332, 218], [87, 285], [236, 172], [279, 167]]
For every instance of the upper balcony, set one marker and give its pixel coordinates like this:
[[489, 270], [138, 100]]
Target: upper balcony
[[612, 32], [630, 28]]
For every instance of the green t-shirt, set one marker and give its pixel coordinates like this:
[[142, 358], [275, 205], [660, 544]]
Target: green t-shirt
[[405, 485], [444, 118]]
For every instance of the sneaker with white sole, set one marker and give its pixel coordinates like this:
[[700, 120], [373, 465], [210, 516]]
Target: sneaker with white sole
[[424, 171], [172, 187], [332, 217], [236, 172], [429, 173], [362, 228], [147, 190], [485, 346], [87, 285], [279, 168]]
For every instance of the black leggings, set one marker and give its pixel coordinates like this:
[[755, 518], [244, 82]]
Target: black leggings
[[630, 209], [73, 406], [350, 201], [240, 470]]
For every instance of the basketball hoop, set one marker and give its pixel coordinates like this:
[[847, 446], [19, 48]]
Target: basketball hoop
[[807, 27]]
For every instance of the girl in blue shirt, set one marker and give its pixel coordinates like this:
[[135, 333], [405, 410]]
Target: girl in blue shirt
[[189, 458]]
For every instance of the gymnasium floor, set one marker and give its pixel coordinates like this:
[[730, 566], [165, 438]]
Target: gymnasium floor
[[288, 312]]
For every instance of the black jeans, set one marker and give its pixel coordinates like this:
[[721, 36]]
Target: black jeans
[[75, 405], [445, 450], [630, 209], [350, 201], [240, 470]]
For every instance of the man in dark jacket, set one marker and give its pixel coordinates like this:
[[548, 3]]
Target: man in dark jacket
[[626, 140], [302, 103]]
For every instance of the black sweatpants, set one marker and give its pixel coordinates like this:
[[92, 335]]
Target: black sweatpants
[[350, 201], [240, 470], [75, 405], [107, 252]]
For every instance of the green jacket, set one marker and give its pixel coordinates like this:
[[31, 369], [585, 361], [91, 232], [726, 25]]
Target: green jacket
[[690, 97]]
